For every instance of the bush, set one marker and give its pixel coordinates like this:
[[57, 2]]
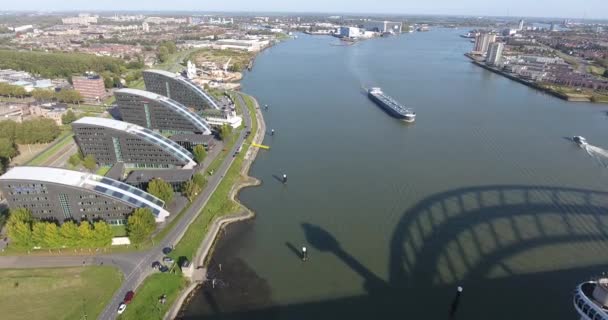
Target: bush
[[199, 153]]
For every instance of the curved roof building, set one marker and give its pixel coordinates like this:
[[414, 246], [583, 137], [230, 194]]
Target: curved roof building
[[178, 88], [158, 112], [60, 194], [112, 141]]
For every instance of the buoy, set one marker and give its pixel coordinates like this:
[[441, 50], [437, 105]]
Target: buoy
[[304, 254], [284, 178], [456, 301], [272, 132]]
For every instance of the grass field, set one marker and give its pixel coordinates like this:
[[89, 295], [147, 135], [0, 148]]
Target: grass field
[[145, 305], [56, 293]]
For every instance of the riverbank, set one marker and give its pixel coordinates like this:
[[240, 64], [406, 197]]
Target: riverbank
[[570, 97], [206, 248]]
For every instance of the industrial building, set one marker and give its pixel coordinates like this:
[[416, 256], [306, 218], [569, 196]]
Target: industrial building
[[157, 112], [60, 194], [178, 88], [111, 141], [383, 26]]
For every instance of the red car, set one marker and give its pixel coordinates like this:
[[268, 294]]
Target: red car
[[129, 296]]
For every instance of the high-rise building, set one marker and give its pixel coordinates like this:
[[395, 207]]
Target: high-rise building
[[191, 70], [90, 87], [482, 43], [383, 26], [111, 141], [178, 88], [145, 27], [156, 112], [60, 194], [521, 25], [494, 54]]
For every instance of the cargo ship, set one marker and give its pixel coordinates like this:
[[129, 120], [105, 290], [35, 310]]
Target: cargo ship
[[391, 106]]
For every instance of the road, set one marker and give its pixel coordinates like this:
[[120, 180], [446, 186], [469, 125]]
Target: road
[[143, 266]]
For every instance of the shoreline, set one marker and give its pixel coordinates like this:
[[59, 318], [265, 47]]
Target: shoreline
[[533, 85], [206, 249]]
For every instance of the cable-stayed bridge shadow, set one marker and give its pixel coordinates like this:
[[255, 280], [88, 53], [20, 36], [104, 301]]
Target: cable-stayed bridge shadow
[[518, 250]]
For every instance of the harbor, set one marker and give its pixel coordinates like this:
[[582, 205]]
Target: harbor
[[484, 192]]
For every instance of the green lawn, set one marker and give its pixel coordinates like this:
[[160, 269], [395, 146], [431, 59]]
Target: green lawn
[[102, 171], [63, 139], [145, 304], [119, 231], [56, 293]]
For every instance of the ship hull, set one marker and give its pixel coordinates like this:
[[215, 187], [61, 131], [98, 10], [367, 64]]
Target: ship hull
[[392, 112]]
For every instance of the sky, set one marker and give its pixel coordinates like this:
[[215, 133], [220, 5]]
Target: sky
[[591, 9]]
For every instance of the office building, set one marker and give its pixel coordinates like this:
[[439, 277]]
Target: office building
[[349, 32], [494, 55], [60, 194], [111, 141], [178, 88], [521, 25], [482, 42], [174, 177], [157, 112], [383, 26], [90, 87], [145, 27]]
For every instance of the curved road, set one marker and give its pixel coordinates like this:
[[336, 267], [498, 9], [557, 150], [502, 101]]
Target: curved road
[[136, 266]]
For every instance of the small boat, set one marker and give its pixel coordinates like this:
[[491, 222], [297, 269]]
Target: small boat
[[581, 141]]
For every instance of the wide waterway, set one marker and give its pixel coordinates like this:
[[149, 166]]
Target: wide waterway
[[483, 191]]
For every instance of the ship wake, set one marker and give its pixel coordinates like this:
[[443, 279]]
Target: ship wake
[[598, 154]]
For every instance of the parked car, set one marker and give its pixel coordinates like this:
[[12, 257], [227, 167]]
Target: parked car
[[156, 265], [128, 297], [167, 250], [168, 260], [163, 268], [121, 308]]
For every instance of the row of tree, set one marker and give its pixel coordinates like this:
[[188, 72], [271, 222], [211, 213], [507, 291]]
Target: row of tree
[[60, 64], [38, 130], [25, 232], [65, 95], [8, 90], [78, 158]]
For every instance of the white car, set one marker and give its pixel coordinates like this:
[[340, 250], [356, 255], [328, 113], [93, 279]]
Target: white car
[[121, 308]]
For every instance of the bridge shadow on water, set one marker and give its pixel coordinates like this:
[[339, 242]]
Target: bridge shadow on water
[[517, 250]]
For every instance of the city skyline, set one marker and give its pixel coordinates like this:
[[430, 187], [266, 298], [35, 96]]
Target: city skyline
[[589, 9]]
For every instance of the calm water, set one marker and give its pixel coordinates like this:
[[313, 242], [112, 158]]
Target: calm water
[[482, 191]]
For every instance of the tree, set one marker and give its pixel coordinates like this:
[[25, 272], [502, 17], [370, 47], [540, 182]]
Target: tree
[[69, 96], [19, 227], [605, 75], [108, 82], [43, 95], [163, 54], [199, 179], [85, 234], [225, 131], [68, 117], [140, 225], [39, 234], [74, 160], [191, 190], [89, 162], [69, 234], [53, 236], [161, 189], [7, 148], [102, 234], [199, 153]]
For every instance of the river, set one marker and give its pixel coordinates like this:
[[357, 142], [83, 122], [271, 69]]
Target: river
[[483, 191]]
